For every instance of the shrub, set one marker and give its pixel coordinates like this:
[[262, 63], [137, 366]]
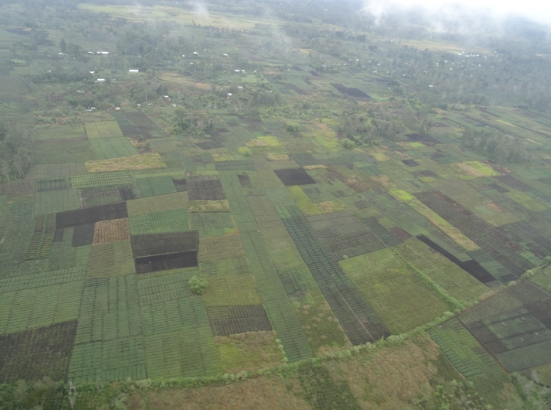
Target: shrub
[[198, 285]]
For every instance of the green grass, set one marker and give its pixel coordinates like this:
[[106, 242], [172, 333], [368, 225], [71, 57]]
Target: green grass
[[108, 148], [212, 224], [54, 132], [111, 259], [231, 291], [68, 152], [158, 203], [103, 129], [451, 278], [152, 186], [51, 202], [400, 298], [158, 222]]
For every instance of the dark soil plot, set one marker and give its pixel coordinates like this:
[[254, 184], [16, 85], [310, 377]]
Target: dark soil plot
[[83, 235], [204, 188], [59, 233], [314, 73], [244, 180], [229, 320], [18, 188], [410, 162], [128, 129], [296, 89], [146, 127], [501, 247], [345, 236], [166, 243], [52, 184], [352, 92], [159, 263], [212, 144], [424, 139], [33, 354], [515, 183], [180, 184], [91, 197], [425, 173], [294, 176], [91, 215], [498, 188], [472, 266], [252, 124]]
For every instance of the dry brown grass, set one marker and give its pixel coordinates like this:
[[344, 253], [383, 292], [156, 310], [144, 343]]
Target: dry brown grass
[[111, 231], [267, 393]]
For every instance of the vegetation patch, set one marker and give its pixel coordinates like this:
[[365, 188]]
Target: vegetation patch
[[248, 351], [128, 163], [111, 259], [36, 353], [113, 230]]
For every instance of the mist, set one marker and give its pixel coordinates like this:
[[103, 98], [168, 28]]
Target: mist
[[494, 10]]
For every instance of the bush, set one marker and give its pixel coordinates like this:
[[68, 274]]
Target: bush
[[245, 151], [198, 285]]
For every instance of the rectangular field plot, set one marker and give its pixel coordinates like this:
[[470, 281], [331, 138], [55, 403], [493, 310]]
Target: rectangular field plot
[[157, 185], [107, 148], [215, 248], [514, 325], [158, 263], [400, 298], [111, 259], [52, 184], [108, 360], [231, 291], [91, 197], [27, 306], [34, 354], [344, 235], [165, 243], [43, 236], [159, 222], [204, 188], [136, 162], [102, 129], [225, 267], [51, 202], [185, 353], [91, 215], [158, 203], [294, 176], [83, 235], [101, 180], [213, 224], [230, 320], [145, 126]]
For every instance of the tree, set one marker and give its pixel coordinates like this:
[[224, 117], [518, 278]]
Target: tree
[[63, 45]]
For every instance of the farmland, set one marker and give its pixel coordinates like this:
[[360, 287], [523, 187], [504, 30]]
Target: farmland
[[340, 221]]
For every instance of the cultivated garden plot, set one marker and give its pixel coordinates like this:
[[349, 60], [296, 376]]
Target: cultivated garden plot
[[271, 216]]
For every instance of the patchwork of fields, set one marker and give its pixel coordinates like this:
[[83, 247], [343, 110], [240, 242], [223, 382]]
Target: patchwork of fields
[[320, 250]]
